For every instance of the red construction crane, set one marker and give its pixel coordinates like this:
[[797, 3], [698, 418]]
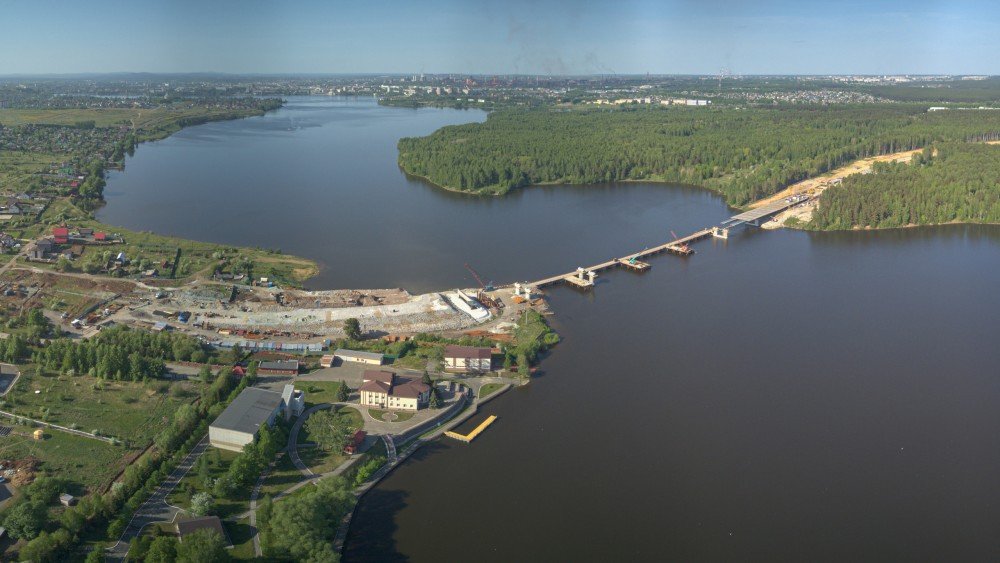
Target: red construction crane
[[479, 280], [681, 245]]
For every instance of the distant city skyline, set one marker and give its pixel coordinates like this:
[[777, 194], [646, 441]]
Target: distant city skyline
[[472, 37]]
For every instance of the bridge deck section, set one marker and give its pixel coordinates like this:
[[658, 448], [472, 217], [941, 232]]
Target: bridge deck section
[[676, 246]]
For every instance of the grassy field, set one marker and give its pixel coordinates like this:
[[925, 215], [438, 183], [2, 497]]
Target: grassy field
[[283, 476], [86, 462], [489, 389], [419, 358], [19, 169], [401, 416], [130, 411], [320, 392], [321, 461]]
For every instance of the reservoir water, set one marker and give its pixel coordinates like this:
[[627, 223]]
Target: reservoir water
[[779, 396]]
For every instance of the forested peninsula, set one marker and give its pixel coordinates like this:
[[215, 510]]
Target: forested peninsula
[[958, 183], [745, 154]]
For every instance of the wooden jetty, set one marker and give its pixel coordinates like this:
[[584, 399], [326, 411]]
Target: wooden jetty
[[475, 431]]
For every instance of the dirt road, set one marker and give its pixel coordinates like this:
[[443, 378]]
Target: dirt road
[[819, 183]]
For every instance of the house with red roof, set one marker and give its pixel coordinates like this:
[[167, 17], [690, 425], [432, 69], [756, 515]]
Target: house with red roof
[[60, 235]]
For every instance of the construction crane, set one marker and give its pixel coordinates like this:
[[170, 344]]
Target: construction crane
[[485, 286], [681, 246]]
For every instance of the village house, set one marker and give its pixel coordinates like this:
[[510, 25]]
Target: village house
[[42, 249], [467, 358], [386, 390], [60, 235]]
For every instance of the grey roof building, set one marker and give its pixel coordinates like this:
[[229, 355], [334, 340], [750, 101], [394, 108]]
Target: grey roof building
[[237, 426]]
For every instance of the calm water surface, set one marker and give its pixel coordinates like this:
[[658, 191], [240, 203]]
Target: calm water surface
[[780, 396]]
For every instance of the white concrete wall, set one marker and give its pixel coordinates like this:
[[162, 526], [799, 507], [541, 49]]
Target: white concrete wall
[[228, 439]]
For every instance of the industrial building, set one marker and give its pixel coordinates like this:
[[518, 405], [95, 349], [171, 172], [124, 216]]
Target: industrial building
[[238, 425]]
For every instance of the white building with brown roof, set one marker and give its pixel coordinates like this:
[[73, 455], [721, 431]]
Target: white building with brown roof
[[467, 358], [386, 390]]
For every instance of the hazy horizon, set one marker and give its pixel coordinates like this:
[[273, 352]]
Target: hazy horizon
[[635, 37]]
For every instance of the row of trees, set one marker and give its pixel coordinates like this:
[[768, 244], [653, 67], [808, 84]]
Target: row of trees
[[746, 154], [251, 462], [120, 353], [960, 184]]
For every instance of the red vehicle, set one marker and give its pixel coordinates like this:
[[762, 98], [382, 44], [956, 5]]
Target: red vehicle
[[355, 443]]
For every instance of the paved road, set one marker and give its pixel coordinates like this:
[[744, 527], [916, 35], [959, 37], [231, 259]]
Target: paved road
[[156, 508]]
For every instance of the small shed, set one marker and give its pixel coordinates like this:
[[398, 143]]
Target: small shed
[[67, 499]]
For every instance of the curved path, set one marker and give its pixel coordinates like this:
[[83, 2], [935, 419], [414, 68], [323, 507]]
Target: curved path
[[293, 437]]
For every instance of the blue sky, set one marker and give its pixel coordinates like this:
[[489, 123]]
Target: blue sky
[[497, 36]]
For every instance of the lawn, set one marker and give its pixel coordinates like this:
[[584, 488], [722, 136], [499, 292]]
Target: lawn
[[318, 392], [130, 411], [319, 460], [284, 475], [86, 462], [401, 416], [417, 359], [489, 389]]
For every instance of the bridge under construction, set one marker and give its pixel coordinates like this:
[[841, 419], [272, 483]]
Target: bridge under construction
[[583, 278]]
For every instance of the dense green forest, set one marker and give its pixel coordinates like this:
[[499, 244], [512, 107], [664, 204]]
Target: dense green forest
[[745, 154], [960, 183]]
